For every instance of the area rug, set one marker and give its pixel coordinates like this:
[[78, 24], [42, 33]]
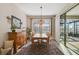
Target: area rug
[[51, 50]]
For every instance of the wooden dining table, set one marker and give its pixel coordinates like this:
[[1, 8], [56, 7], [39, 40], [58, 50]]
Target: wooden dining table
[[40, 37]]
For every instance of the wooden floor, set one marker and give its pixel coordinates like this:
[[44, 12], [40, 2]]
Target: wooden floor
[[51, 50]]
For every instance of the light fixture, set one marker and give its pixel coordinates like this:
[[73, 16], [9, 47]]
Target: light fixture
[[41, 21], [8, 19]]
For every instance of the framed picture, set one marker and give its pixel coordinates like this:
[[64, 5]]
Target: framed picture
[[16, 22]]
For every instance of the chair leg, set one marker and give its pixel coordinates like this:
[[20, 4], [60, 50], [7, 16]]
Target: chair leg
[[47, 45], [43, 45], [32, 46]]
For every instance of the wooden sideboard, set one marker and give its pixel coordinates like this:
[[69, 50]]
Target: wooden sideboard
[[19, 39]]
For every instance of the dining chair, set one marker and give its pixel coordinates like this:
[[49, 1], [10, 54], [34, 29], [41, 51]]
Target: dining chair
[[35, 43], [44, 43], [48, 34]]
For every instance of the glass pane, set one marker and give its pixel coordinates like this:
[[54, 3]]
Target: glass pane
[[77, 27], [62, 29], [71, 28], [72, 39], [44, 27]]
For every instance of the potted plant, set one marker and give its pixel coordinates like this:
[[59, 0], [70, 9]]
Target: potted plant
[[28, 31], [13, 28]]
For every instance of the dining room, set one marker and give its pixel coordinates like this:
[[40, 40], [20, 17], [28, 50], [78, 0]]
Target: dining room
[[34, 31], [41, 27], [41, 36]]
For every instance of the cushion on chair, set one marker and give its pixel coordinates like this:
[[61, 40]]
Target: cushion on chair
[[4, 51], [35, 40], [8, 44], [44, 40]]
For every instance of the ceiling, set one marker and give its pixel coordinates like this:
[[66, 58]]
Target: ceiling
[[74, 11], [48, 8]]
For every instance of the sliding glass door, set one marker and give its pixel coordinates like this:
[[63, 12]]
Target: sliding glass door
[[69, 29], [63, 29]]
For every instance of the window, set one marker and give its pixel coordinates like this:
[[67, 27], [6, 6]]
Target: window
[[36, 26], [77, 27]]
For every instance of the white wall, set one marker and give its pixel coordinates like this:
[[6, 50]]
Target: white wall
[[57, 28], [8, 10]]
